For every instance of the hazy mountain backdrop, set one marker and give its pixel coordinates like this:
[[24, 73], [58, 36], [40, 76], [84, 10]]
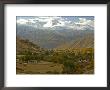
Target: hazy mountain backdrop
[[57, 32]]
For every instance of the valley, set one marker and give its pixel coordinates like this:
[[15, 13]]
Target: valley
[[31, 59], [55, 45]]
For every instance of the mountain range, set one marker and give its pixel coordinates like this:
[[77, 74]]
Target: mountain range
[[60, 38]]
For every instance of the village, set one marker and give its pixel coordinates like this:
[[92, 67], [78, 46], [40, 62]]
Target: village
[[56, 61]]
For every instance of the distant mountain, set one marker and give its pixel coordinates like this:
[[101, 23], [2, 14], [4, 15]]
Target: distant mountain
[[49, 38]]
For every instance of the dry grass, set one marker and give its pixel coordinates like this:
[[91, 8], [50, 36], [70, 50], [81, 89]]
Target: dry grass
[[40, 68]]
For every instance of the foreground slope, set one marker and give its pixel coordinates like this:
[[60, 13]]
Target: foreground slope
[[25, 45]]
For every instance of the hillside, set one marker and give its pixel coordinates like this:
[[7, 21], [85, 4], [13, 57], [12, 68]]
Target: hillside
[[31, 59], [23, 46], [84, 42]]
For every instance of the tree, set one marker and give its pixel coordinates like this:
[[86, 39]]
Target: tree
[[68, 67]]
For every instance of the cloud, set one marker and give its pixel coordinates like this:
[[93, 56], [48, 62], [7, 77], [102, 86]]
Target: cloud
[[84, 23], [22, 21], [48, 24], [57, 21], [47, 21]]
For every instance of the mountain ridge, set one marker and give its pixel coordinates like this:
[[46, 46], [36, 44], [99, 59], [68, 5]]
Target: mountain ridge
[[50, 39]]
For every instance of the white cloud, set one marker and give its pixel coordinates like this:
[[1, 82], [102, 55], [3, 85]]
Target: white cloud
[[22, 21], [50, 21], [48, 24], [84, 24], [32, 20], [55, 21]]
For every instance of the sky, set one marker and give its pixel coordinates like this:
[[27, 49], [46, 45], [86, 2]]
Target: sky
[[69, 22]]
